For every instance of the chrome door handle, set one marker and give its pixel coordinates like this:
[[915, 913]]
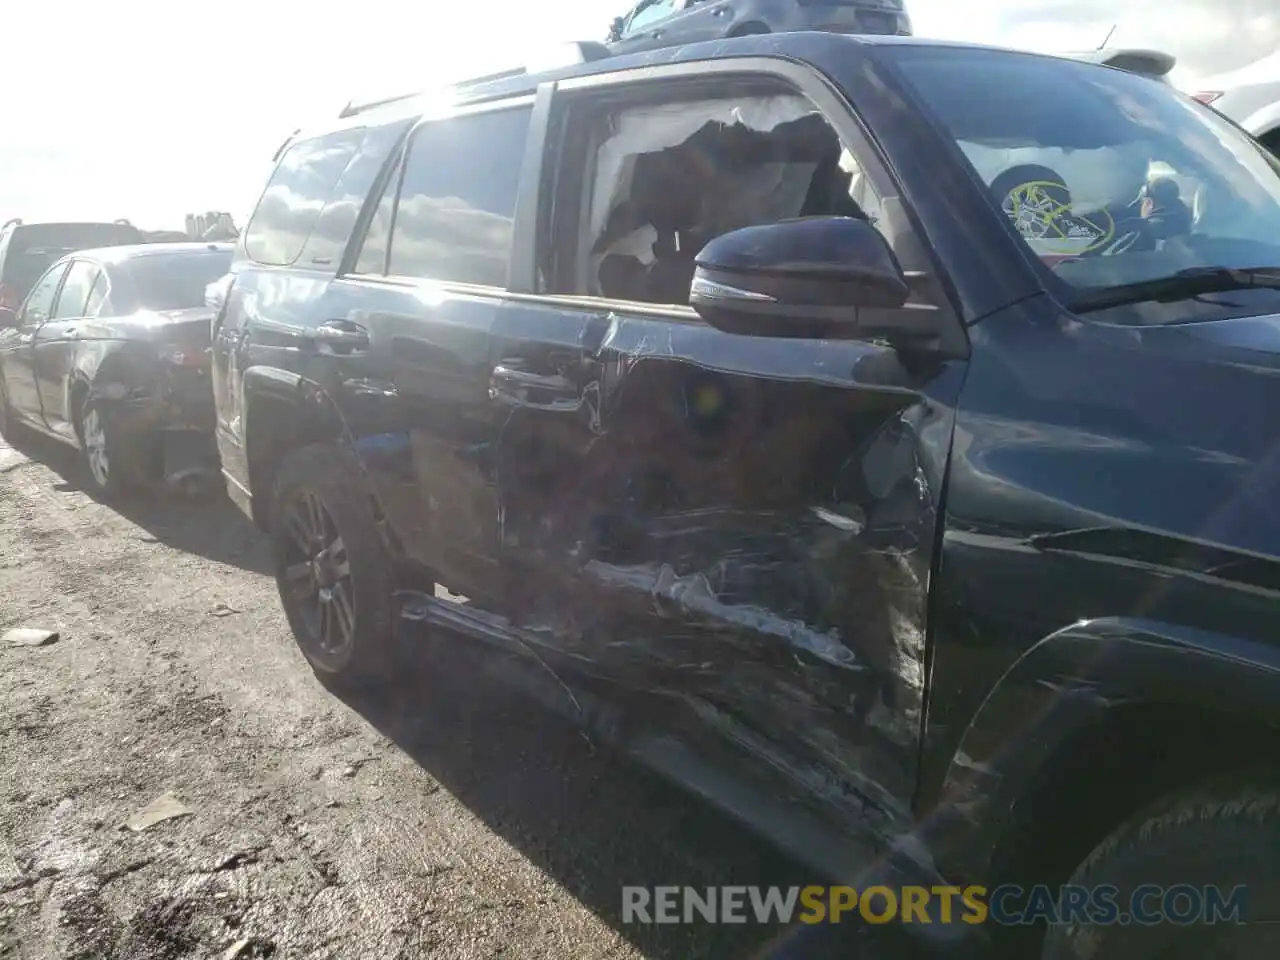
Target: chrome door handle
[[522, 388], [342, 336]]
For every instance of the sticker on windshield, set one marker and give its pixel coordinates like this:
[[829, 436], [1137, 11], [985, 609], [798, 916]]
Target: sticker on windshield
[[1041, 213]]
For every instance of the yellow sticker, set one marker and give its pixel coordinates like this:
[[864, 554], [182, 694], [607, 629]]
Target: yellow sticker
[[1049, 226]]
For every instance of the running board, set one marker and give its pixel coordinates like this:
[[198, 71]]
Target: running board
[[461, 617], [785, 822]]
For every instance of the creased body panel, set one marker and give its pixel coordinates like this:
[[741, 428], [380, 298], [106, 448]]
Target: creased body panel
[[744, 525]]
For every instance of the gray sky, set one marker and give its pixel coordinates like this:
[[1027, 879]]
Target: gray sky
[[144, 109], [1207, 36]]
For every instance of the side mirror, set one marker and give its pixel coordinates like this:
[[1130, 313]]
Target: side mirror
[[615, 29], [814, 277], [8, 318]]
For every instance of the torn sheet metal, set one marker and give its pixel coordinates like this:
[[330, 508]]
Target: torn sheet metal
[[742, 526]]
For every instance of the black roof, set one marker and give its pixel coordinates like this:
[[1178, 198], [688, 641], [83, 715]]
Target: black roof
[[818, 47], [136, 251]]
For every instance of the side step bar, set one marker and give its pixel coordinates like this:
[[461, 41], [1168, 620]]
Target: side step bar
[[801, 833], [418, 607]]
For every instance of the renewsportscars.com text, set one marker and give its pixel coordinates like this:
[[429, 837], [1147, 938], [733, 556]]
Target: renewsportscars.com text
[[1146, 905]]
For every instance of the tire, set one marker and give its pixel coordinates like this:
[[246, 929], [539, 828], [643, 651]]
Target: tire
[[109, 464], [331, 566], [1225, 835], [8, 422]]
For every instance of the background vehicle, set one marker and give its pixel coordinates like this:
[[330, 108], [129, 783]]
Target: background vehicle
[[110, 353], [1250, 96], [663, 23], [27, 250], [849, 483]]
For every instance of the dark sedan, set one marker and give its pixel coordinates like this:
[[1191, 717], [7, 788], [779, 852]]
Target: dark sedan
[[110, 353]]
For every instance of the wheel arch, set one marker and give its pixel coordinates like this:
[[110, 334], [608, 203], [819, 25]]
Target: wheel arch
[[283, 412], [78, 388], [93, 369], [1141, 706]]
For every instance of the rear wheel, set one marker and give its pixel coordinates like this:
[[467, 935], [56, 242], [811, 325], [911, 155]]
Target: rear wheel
[[110, 464], [1190, 848], [7, 419], [331, 566]]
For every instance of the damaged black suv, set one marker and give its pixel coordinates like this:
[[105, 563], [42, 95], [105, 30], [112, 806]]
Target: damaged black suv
[[888, 456]]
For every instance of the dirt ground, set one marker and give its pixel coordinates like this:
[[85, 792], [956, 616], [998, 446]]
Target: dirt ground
[[444, 817]]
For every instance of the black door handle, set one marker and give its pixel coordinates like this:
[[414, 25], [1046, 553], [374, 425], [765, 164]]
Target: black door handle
[[657, 34]]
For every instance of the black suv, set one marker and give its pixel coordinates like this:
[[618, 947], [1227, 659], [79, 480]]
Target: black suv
[[664, 23], [884, 454], [28, 249]]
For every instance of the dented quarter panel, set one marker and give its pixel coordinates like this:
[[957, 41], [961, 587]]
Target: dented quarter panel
[[117, 359], [261, 324], [741, 525]]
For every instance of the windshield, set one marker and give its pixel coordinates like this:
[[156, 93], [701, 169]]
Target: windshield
[[176, 281], [1110, 179]]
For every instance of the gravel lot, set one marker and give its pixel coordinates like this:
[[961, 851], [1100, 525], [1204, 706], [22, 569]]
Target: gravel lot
[[447, 817]]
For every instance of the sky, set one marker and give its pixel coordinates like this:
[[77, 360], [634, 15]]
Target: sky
[[150, 110]]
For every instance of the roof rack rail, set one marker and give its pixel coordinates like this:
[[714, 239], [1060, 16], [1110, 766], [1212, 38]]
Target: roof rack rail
[[577, 51], [353, 108], [275, 157], [490, 77], [569, 53]]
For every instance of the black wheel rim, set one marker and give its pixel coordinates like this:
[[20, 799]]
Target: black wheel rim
[[316, 575]]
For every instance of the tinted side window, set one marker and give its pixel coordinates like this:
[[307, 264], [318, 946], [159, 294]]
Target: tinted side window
[[296, 194], [330, 235], [650, 14], [457, 201], [40, 302], [75, 290], [98, 295]]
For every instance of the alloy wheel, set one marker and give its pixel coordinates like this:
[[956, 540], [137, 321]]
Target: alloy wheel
[[316, 574]]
